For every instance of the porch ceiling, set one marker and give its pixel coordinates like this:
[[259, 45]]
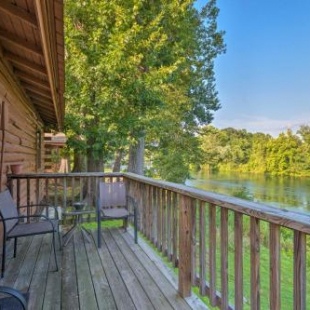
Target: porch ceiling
[[32, 52]]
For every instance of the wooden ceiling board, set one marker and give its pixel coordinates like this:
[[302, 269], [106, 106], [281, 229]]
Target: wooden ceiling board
[[38, 97], [25, 77], [31, 38], [25, 65], [37, 90], [20, 43]]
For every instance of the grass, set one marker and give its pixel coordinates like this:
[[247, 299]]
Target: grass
[[104, 224]]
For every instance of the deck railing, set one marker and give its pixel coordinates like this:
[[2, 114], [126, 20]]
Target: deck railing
[[217, 243]]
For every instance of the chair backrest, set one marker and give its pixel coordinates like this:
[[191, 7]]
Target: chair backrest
[[8, 209], [112, 194]]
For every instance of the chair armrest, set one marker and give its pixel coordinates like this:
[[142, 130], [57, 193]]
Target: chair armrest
[[43, 205], [30, 216]]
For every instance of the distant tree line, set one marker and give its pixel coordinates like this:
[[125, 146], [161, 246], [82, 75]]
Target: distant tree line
[[231, 149]]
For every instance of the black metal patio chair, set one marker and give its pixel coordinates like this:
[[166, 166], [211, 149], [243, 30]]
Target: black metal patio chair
[[114, 204], [12, 299], [15, 225]]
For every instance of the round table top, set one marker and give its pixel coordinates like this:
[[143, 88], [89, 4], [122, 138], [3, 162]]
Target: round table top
[[77, 212]]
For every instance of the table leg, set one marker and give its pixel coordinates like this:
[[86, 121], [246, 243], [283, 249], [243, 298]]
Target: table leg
[[86, 233], [69, 234]]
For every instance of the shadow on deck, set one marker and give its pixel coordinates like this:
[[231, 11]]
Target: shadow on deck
[[120, 275]]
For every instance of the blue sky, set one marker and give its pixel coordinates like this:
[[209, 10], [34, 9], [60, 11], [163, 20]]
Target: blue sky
[[263, 80]]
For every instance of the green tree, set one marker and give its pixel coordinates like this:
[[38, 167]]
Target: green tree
[[282, 157], [215, 147], [135, 70], [258, 155], [304, 150]]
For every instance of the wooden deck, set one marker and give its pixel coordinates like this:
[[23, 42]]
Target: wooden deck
[[120, 275]]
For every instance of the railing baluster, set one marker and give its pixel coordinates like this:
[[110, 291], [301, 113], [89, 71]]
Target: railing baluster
[[148, 204], [18, 188], [169, 225], [154, 216], [72, 189], [64, 203], [238, 226], [255, 262], [55, 193], [81, 189], [175, 238], [275, 281], [299, 270], [212, 253], [202, 246], [28, 199], [164, 222], [159, 242], [193, 247], [37, 190], [224, 259], [143, 208]]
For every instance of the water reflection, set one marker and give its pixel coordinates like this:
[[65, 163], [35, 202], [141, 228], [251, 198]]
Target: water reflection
[[281, 192]]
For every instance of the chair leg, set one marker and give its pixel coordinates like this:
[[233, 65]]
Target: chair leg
[[135, 224], [99, 230], [59, 240], [54, 247], [3, 258], [15, 247], [125, 223]]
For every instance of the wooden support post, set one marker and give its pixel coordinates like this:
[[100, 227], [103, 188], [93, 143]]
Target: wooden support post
[[185, 257]]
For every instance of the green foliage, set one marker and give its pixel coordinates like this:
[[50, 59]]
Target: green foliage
[[239, 150], [172, 159]]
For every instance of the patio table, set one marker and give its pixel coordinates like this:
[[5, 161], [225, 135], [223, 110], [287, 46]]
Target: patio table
[[77, 218]]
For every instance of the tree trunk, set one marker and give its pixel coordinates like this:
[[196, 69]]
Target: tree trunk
[[94, 164], [118, 160], [136, 157], [78, 162], [64, 166]]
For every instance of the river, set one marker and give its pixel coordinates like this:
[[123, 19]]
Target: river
[[290, 193]]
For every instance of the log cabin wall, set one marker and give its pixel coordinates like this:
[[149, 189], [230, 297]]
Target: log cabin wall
[[21, 138], [31, 82]]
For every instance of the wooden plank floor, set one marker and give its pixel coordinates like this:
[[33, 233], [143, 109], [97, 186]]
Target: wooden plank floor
[[120, 275]]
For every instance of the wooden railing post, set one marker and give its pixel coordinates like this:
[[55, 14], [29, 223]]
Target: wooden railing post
[[185, 257]]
